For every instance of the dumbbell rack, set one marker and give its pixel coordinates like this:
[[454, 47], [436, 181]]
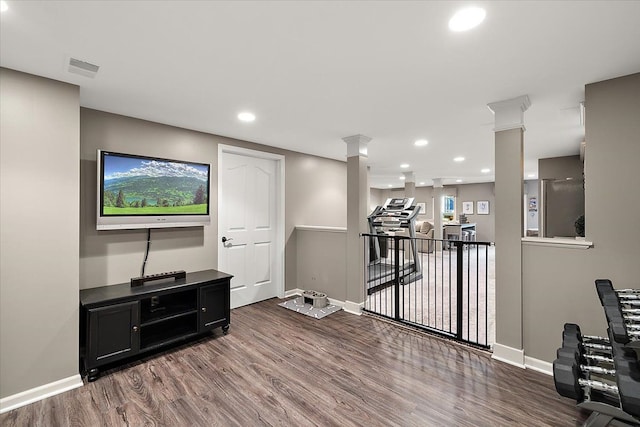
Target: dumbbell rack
[[603, 374]]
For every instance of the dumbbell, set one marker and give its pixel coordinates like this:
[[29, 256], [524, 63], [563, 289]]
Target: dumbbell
[[572, 337], [578, 358], [614, 313], [627, 375], [572, 379]]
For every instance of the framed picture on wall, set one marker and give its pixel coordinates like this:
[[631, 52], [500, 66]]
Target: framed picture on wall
[[483, 207], [423, 208], [467, 208]]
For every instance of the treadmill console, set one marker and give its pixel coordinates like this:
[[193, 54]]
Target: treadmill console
[[395, 213], [394, 205]]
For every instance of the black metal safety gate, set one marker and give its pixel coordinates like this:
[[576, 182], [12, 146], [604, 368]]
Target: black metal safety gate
[[448, 290]]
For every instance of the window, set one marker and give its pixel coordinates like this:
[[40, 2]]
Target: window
[[448, 208]]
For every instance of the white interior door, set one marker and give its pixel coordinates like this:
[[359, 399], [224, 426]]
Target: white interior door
[[249, 206]]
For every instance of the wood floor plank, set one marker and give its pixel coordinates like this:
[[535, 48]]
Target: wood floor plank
[[280, 368]]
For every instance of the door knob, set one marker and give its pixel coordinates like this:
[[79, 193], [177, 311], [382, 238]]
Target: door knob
[[224, 239]]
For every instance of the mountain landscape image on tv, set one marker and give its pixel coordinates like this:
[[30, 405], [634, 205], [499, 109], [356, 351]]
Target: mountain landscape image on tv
[[137, 185]]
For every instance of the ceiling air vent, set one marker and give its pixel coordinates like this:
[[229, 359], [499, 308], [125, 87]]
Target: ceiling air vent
[[83, 68]]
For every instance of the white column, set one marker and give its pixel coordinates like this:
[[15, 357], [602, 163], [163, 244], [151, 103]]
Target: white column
[[409, 184], [357, 210], [509, 153]]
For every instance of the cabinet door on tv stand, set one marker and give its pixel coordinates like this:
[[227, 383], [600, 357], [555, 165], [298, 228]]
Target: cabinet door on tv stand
[[214, 306], [113, 333]]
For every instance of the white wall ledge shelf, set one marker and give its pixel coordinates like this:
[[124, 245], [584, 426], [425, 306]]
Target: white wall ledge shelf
[[557, 242], [322, 228]]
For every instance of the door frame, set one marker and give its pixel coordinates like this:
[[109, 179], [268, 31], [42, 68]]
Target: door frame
[[279, 270]]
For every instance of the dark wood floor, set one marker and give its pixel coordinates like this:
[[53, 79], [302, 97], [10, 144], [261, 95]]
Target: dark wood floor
[[278, 367]]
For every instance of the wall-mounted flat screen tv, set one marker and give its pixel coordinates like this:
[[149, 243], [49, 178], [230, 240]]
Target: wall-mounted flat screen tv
[[151, 192]]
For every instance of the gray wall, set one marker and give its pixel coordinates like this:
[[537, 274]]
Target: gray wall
[[425, 195], [559, 283], [39, 162], [485, 224], [376, 198], [563, 194], [321, 264], [315, 192]]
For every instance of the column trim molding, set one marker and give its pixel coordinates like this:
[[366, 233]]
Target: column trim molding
[[357, 145], [509, 114]]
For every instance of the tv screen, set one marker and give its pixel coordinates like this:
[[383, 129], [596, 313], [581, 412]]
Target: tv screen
[[150, 192]]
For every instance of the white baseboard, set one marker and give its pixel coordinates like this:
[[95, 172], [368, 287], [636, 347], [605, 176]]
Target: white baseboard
[[538, 365], [510, 355], [353, 307], [38, 393], [336, 302], [292, 292]]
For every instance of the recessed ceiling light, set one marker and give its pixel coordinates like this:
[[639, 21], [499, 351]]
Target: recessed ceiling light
[[390, 185], [3, 6], [402, 178], [422, 183], [404, 165], [458, 180], [531, 175], [421, 143], [246, 116], [485, 170], [466, 19], [458, 159]]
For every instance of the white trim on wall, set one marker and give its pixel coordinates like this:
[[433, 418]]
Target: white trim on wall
[[516, 357], [38, 393], [322, 228], [538, 365], [510, 355], [353, 307], [292, 293]]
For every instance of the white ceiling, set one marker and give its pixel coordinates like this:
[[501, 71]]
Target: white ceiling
[[315, 72]]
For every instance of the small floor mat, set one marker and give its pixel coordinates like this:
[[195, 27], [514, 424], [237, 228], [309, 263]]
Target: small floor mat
[[298, 305]]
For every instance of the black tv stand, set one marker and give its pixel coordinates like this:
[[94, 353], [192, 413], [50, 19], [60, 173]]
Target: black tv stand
[[120, 322]]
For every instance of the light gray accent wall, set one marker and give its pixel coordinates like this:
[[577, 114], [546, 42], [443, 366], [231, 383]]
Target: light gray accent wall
[[39, 175], [376, 198], [114, 256], [322, 262], [564, 194], [559, 283], [509, 220], [315, 194], [485, 224], [560, 168], [425, 195]]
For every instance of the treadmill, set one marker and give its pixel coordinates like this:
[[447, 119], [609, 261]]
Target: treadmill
[[395, 215]]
